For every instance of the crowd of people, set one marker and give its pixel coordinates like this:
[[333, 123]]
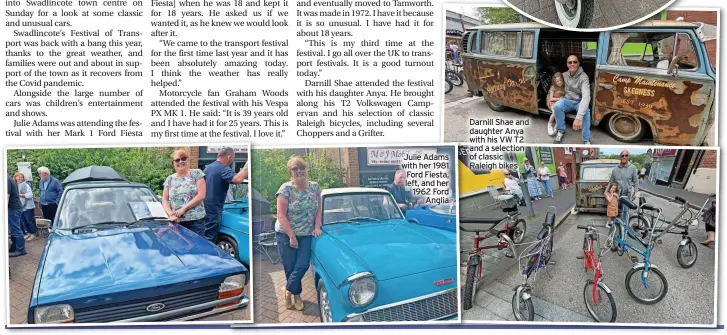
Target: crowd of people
[[192, 198]]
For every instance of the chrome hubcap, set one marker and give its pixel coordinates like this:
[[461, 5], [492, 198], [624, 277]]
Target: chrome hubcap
[[325, 306], [227, 248]]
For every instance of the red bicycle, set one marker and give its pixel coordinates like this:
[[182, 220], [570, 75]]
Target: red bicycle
[[514, 228], [596, 294]]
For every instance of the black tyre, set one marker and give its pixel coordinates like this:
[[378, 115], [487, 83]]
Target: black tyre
[[525, 312], [575, 13], [495, 107], [447, 86], [687, 255], [603, 299], [615, 232], [638, 284], [229, 246], [470, 286], [324, 304], [454, 77], [518, 231], [548, 251]]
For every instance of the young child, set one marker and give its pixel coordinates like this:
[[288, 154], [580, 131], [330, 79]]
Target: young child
[[556, 92], [612, 200]]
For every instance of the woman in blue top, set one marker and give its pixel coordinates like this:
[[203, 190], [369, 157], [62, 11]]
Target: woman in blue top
[[531, 175]]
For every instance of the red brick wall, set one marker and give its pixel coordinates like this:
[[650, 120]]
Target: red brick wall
[[354, 179], [706, 17], [709, 160]]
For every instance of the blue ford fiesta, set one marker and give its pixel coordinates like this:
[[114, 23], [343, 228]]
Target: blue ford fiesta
[[372, 265], [113, 256]]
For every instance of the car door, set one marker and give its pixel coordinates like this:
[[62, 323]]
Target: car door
[[501, 65], [636, 90], [591, 185]]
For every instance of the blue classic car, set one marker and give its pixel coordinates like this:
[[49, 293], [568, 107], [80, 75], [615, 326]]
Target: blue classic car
[[234, 236], [441, 216], [113, 256], [371, 265]]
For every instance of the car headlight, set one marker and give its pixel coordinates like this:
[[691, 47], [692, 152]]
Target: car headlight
[[233, 283], [54, 314], [362, 291]]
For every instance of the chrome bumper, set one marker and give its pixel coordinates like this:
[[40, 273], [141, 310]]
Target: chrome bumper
[[397, 311], [244, 301]]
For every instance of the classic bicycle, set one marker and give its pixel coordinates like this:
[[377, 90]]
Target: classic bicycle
[[514, 230], [648, 216], [538, 254], [596, 294], [618, 235]]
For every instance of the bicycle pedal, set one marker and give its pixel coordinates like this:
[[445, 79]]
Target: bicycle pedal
[[634, 259], [509, 255], [579, 257]]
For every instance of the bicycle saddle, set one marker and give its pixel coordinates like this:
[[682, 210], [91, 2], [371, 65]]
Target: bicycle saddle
[[543, 232], [627, 202], [644, 205], [549, 219], [680, 200]]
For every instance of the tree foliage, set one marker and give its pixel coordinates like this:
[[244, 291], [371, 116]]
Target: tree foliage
[[148, 166], [269, 171], [498, 15], [638, 160]]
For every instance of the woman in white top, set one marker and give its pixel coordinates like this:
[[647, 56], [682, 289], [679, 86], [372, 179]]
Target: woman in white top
[[544, 175]]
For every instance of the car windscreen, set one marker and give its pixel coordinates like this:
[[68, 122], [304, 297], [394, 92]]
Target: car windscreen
[[88, 206], [596, 173], [357, 206]]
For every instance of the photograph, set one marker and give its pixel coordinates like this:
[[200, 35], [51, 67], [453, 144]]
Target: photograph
[[622, 235], [588, 14], [650, 83], [355, 234], [128, 234]]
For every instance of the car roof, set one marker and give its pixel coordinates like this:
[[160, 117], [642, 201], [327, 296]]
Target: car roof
[[601, 161], [348, 190], [643, 24], [99, 184]]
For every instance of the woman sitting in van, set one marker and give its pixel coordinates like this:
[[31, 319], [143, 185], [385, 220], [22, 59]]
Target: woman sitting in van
[[556, 92]]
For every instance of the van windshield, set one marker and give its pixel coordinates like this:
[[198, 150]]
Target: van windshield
[[596, 173]]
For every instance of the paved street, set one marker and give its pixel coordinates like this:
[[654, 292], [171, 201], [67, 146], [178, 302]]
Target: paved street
[[495, 261], [23, 270], [696, 200], [457, 123], [558, 294], [608, 13]]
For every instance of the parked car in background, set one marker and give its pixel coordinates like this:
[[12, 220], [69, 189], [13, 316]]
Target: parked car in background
[[372, 265], [441, 216], [234, 235], [113, 256], [591, 182]]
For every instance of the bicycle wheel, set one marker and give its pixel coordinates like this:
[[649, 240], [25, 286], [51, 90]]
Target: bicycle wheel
[[635, 284], [518, 231], [604, 302], [613, 233], [447, 86], [522, 308], [687, 255], [454, 77], [470, 286], [639, 226], [548, 251]]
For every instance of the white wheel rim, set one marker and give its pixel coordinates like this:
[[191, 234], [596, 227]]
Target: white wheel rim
[[564, 18], [227, 248], [325, 306]]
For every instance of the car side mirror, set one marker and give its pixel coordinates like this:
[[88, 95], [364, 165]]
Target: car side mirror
[[674, 66]]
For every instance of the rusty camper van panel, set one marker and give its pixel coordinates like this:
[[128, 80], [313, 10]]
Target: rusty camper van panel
[[653, 77], [591, 182]]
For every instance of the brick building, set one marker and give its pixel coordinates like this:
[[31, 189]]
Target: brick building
[[706, 17], [200, 157], [570, 156]]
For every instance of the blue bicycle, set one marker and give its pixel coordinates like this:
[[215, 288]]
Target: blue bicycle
[[653, 283]]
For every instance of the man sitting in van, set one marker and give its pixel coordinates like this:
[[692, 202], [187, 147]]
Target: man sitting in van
[[667, 50], [577, 99]]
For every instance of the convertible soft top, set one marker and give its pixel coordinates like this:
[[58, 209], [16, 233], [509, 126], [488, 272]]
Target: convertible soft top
[[94, 173]]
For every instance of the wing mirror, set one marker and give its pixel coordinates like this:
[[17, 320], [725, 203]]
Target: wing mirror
[[674, 66]]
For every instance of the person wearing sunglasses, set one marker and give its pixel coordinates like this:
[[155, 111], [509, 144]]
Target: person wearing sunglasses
[[577, 99], [625, 175], [184, 193], [299, 220]]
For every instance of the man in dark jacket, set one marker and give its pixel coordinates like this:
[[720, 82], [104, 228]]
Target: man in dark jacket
[[577, 99], [218, 177], [625, 175], [15, 209], [403, 197]]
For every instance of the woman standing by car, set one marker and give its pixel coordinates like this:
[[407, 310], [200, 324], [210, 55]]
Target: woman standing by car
[[26, 198], [299, 216], [183, 194]]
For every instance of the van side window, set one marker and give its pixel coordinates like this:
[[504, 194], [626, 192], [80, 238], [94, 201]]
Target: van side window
[[686, 52], [527, 43], [650, 50], [499, 43]]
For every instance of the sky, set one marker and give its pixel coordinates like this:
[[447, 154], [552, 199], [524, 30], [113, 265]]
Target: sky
[[616, 151]]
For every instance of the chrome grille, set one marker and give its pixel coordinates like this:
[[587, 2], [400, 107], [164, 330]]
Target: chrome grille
[[137, 308], [431, 308]]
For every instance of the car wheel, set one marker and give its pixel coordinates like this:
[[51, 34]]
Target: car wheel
[[495, 107], [324, 304], [575, 13], [626, 128], [229, 246]]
